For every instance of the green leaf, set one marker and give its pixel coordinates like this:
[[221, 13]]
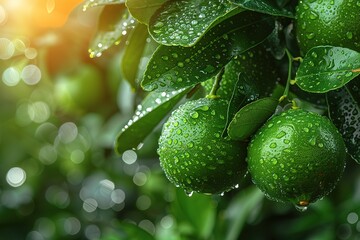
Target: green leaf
[[184, 22], [142, 10], [264, 6], [253, 83], [114, 23], [148, 115], [199, 211], [326, 68], [126, 231], [177, 67], [344, 106], [239, 210], [251, 117], [96, 3], [133, 53]]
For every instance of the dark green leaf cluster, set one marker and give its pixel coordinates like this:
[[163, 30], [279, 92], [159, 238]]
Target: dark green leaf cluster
[[233, 49], [197, 40]]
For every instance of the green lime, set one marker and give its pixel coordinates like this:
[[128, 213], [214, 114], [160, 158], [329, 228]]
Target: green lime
[[297, 157], [333, 23], [193, 153]]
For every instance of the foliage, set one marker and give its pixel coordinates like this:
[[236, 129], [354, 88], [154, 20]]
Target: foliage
[[62, 178]]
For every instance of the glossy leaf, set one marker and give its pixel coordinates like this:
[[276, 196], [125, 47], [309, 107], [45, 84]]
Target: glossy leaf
[[133, 53], [184, 22], [142, 10], [239, 210], [251, 83], [177, 67], [199, 211], [326, 68], [344, 106], [251, 117], [114, 24], [152, 110], [264, 6], [95, 3]]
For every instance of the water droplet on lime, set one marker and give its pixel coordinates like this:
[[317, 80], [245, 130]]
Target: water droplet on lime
[[194, 114], [188, 193], [273, 145], [302, 207]]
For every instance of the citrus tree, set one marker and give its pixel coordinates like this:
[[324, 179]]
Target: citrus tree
[[267, 71], [182, 119]]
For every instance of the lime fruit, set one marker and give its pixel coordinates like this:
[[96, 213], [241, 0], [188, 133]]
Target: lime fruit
[[333, 23], [193, 153], [296, 157]]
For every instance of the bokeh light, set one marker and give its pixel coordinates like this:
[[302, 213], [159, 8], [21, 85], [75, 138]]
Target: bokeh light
[[92, 232], [30, 53], [143, 202], [3, 15], [11, 76], [167, 222], [68, 132], [57, 196], [16, 176], [31, 74], [90, 205], [48, 154], [129, 157], [72, 226], [7, 49], [46, 227], [39, 111]]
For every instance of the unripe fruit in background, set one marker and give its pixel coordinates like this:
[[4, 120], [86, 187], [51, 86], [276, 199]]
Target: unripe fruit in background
[[79, 91]]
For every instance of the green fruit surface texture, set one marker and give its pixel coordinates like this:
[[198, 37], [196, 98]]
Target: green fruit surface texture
[[193, 153], [297, 157], [325, 22]]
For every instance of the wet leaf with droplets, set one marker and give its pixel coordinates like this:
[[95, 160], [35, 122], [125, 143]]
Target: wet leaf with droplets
[[177, 67], [114, 23], [133, 53], [344, 106], [96, 3], [264, 6], [184, 22], [142, 10], [326, 68], [243, 82], [147, 116], [251, 117]]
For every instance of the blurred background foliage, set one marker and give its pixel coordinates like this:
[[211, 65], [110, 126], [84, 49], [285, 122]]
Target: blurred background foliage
[[61, 107]]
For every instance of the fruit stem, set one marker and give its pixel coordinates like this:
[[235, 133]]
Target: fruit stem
[[216, 84], [287, 87]]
